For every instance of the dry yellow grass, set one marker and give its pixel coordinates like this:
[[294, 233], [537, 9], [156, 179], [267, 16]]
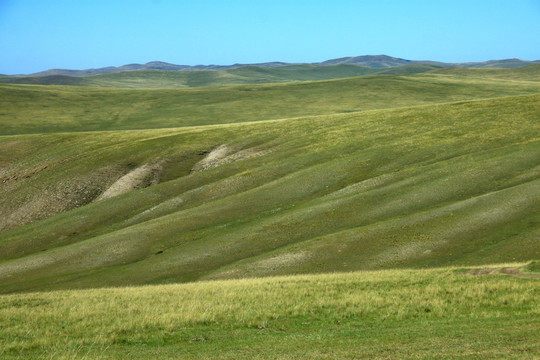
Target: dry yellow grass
[[166, 320]]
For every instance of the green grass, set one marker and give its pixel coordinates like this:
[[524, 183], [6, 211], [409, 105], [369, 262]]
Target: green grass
[[74, 109], [423, 175], [196, 78], [421, 186], [525, 73], [407, 314], [235, 76], [533, 267], [159, 79]]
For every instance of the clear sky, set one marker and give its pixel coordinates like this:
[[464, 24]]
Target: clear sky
[[38, 35]]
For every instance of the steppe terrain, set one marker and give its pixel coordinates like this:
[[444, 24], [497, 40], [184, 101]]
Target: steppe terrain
[[318, 211]]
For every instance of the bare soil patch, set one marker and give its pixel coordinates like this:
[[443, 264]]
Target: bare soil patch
[[46, 198], [224, 154], [143, 176]]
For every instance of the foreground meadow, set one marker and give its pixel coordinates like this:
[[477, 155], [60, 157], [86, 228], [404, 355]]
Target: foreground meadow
[[444, 313]]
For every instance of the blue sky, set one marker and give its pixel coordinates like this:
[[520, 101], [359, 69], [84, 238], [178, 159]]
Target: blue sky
[[38, 35]]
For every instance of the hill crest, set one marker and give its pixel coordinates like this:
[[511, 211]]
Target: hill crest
[[372, 61]]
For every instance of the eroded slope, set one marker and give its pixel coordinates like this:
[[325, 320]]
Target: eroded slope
[[420, 186]]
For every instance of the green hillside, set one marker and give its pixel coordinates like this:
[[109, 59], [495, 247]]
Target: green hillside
[[160, 79], [423, 314], [45, 80], [74, 109], [196, 78], [113, 187], [419, 186], [524, 73], [505, 63], [234, 76], [240, 75], [409, 69]]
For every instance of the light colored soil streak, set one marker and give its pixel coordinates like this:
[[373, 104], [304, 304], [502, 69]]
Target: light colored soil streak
[[143, 176], [224, 155]]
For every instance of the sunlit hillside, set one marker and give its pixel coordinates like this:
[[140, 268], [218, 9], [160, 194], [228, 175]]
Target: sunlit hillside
[[354, 174]]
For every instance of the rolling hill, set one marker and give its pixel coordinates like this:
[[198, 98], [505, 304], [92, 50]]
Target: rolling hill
[[373, 61], [157, 74], [196, 78], [233, 76], [360, 173], [394, 214], [152, 65], [75, 109], [524, 73]]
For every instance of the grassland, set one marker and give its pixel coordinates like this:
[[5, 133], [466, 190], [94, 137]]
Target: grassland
[[408, 314], [409, 179], [430, 185], [195, 78], [75, 109], [160, 79], [526, 73]]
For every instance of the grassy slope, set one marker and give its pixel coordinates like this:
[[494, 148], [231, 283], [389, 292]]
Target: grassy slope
[[422, 314], [45, 80], [525, 73], [196, 78], [68, 109], [235, 76], [420, 186], [402, 183], [257, 74], [507, 63]]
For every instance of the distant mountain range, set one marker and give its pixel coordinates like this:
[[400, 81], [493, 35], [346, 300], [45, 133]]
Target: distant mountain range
[[153, 65], [371, 61]]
